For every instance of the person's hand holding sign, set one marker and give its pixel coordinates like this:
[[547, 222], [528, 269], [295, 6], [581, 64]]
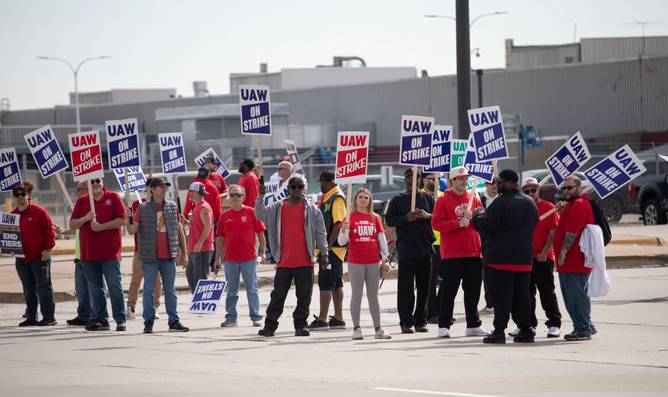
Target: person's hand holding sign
[[464, 222], [412, 216]]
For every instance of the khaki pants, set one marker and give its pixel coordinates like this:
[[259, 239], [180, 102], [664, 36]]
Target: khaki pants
[[137, 276]]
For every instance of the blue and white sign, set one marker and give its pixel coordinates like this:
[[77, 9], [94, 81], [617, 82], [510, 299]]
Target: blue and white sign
[[415, 140], [123, 143], [614, 171], [489, 138], [296, 161], [201, 159], [441, 140], [568, 158], [9, 169], [172, 152], [206, 298], [255, 105], [480, 169], [136, 179], [46, 150], [10, 235]]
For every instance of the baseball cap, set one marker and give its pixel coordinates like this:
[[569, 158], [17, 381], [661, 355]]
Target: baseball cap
[[509, 175], [529, 182], [212, 159], [458, 172], [199, 188], [157, 181]]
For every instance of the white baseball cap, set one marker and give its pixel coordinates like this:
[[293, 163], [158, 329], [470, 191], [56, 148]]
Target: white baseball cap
[[458, 171], [529, 182], [199, 188]]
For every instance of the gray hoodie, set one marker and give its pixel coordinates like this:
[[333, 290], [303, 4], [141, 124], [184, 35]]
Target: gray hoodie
[[314, 227]]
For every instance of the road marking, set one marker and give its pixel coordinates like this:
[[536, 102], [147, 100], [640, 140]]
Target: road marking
[[437, 393]]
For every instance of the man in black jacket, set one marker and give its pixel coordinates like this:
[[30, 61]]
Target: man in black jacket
[[508, 226]]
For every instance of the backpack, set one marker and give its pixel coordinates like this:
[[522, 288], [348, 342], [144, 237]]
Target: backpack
[[601, 221]]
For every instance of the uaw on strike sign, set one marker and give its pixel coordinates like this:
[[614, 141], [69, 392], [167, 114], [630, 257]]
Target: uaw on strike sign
[[46, 150], [255, 104], [86, 156], [572, 155], [489, 139], [123, 143], [9, 169], [614, 171], [352, 150], [206, 298], [172, 152], [415, 140]]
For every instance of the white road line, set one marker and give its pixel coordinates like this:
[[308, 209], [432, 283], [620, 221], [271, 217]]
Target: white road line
[[432, 392]]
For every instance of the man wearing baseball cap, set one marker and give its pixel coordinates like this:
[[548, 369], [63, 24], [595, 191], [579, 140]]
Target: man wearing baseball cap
[[200, 239], [460, 254], [212, 163]]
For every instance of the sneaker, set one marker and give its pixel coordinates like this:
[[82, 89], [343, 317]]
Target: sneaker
[[577, 336], [594, 331], [318, 325], [265, 332], [77, 322], [229, 323], [381, 334], [421, 328], [130, 313], [486, 311], [302, 332], [335, 323], [156, 316], [518, 331], [524, 337], [47, 323], [407, 330], [495, 338], [176, 326], [257, 323], [444, 332], [97, 326], [553, 332], [121, 327], [477, 331], [148, 327], [28, 323], [357, 334]]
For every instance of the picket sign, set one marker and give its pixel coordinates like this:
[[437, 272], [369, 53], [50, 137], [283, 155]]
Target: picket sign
[[570, 156], [255, 112], [49, 156]]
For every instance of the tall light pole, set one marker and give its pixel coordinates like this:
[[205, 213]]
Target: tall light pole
[[75, 71]]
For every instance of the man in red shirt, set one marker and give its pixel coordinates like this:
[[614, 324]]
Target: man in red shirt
[[217, 180], [34, 268], [296, 227], [237, 232], [212, 197], [249, 182], [573, 275], [200, 240], [100, 244], [542, 277]]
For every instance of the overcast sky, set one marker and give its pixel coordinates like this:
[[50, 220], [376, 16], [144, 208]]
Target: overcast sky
[[171, 43]]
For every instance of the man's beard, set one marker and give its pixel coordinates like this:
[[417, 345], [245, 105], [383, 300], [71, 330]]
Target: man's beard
[[571, 197]]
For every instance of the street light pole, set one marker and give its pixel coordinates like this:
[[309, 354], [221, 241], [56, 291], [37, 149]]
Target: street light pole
[[75, 72]]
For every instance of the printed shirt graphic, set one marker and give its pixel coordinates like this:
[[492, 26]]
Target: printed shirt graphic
[[363, 247]]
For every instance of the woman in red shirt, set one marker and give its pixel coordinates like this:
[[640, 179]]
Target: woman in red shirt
[[34, 268], [365, 236]]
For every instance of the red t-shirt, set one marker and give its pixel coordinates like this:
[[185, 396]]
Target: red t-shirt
[[213, 198], [574, 217], [543, 229], [294, 252], [363, 246], [239, 228], [161, 240], [104, 245], [36, 230], [197, 226], [218, 181], [456, 242], [251, 185]]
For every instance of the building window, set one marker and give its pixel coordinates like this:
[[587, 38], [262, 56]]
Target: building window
[[568, 59]]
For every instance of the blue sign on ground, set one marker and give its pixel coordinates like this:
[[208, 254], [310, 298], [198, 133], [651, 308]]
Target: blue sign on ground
[[255, 103], [489, 139], [207, 295], [46, 150], [441, 140], [614, 171], [123, 143], [415, 140]]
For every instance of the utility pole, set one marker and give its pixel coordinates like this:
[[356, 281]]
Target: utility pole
[[463, 67]]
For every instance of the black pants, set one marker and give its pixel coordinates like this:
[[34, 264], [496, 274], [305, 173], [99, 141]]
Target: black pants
[[468, 271], [413, 272], [434, 298], [303, 277], [510, 292], [542, 279], [488, 295], [35, 278]]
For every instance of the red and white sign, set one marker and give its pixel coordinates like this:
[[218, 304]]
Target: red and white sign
[[352, 152], [86, 156]]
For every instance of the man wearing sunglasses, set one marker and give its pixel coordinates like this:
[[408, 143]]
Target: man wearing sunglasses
[[296, 228], [100, 246], [573, 274]]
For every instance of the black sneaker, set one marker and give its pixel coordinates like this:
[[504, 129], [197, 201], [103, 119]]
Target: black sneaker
[[302, 332], [335, 323], [121, 327], [407, 330], [319, 325], [148, 327], [265, 332], [577, 336], [77, 322], [594, 331], [47, 323], [97, 326], [525, 336], [176, 326], [28, 323], [495, 337], [421, 328]]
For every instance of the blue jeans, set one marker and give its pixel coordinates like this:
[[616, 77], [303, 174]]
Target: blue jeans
[[167, 269], [84, 310], [35, 278], [247, 270], [96, 273], [578, 304]]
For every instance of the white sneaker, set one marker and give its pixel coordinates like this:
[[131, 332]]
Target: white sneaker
[[380, 334], [514, 333], [130, 313], [357, 334], [156, 316], [486, 311], [444, 332], [477, 331], [257, 323], [553, 332]]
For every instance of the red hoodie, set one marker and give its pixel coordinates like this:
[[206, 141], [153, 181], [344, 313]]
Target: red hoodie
[[456, 241], [37, 232]]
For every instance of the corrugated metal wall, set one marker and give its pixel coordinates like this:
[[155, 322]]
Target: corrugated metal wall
[[616, 48]]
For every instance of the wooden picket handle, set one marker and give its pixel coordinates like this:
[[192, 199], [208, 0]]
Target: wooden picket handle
[[544, 180], [127, 187], [414, 184], [349, 203], [259, 155], [65, 193], [90, 198], [474, 192], [553, 210]]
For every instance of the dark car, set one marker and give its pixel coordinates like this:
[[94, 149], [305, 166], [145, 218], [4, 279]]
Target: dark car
[[648, 194], [381, 193]]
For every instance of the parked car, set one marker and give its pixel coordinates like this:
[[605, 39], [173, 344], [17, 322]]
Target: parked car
[[648, 194]]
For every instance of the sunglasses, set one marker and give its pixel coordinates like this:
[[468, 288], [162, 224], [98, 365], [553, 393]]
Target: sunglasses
[[22, 194], [296, 187], [527, 191], [237, 195], [94, 181], [564, 188]]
